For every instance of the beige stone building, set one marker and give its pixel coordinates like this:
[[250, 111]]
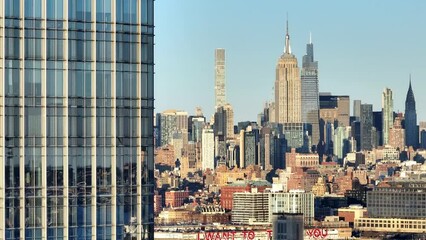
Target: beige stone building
[[397, 134], [287, 87]]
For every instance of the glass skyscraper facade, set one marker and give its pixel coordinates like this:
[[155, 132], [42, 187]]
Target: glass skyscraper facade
[[76, 119], [310, 92]]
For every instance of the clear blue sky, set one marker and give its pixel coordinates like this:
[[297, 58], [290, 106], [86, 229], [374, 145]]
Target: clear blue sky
[[361, 46]]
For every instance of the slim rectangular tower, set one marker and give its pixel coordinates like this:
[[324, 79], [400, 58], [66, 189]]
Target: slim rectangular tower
[[76, 119], [220, 93], [387, 114]]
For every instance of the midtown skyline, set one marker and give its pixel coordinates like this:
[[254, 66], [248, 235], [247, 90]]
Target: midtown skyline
[[351, 50]]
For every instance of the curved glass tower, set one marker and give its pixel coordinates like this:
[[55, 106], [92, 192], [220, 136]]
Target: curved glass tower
[[76, 116]]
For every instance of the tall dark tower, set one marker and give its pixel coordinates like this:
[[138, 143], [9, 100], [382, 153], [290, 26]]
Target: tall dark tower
[[310, 94], [411, 130]]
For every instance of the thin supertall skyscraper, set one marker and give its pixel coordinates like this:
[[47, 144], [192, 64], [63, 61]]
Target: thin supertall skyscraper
[[76, 110], [287, 87], [310, 92], [387, 114], [411, 129], [220, 71]]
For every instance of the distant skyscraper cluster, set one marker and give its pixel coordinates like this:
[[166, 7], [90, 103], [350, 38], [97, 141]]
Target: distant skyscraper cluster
[[307, 165], [300, 118]]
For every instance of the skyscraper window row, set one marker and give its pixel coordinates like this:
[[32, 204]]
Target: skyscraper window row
[[72, 113]]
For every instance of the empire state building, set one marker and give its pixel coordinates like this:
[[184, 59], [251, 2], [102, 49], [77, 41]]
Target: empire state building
[[287, 87]]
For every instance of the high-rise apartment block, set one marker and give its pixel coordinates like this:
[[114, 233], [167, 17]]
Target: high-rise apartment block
[[250, 207], [287, 87], [220, 91], [207, 148], [310, 92], [397, 134], [170, 122], [295, 201], [76, 103], [387, 114], [366, 120]]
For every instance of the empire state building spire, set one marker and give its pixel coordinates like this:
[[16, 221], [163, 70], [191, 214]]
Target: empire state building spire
[[287, 87], [287, 41]]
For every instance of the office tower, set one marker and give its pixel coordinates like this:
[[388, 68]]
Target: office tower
[[342, 144], [251, 138], [287, 87], [387, 114], [287, 226], [333, 110], [198, 118], [170, 122], [229, 124], [357, 109], [329, 133], [220, 92], [423, 139], [310, 94], [377, 136], [224, 122], [278, 150], [191, 158], [366, 121], [295, 201], [179, 141], [197, 125], [233, 154], [356, 134], [411, 129], [76, 96], [207, 148], [296, 136], [397, 134], [219, 125]]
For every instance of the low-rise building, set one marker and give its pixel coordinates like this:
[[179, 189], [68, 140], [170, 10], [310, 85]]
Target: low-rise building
[[175, 198]]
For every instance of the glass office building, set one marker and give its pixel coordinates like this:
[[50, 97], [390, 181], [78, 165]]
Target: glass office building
[[76, 116]]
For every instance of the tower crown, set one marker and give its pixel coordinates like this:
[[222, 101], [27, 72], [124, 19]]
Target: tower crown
[[287, 41], [410, 102]]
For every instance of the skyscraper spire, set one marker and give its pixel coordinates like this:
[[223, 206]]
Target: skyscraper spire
[[287, 41], [411, 129], [310, 37], [410, 82]]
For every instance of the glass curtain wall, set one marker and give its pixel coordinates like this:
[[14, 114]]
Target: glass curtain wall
[[76, 119]]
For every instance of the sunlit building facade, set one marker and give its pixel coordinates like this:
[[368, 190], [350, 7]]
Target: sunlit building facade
[[76, 114]]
